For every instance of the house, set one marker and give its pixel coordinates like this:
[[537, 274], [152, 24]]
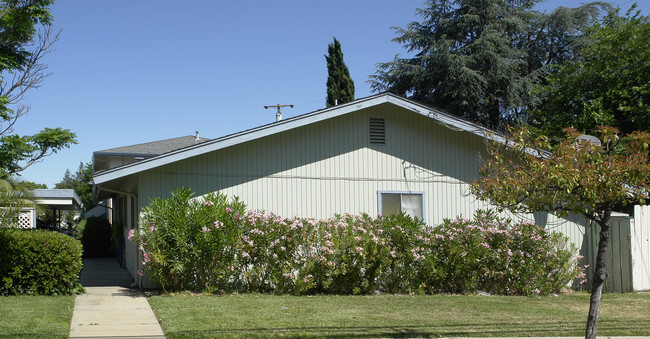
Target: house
[[380, 154]]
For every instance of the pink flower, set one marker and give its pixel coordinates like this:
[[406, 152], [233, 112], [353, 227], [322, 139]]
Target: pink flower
[[244, 254], [140, 273], [205, 229], [359, 249], [208, 203], [229, 209], [288, 275], [131, 234], [218, 224]]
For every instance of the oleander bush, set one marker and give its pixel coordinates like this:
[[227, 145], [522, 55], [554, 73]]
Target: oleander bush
[[190, 244], [211, 244], [39, 262]]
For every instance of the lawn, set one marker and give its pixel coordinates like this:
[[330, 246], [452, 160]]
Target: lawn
[[35, 316], [255, 315]]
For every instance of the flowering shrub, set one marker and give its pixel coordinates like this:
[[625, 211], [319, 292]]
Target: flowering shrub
[[491, 254], [190, 243], [210, 244]]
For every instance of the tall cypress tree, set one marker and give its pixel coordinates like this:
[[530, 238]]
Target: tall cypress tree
[[340, 87]]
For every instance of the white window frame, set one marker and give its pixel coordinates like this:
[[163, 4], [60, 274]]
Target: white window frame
[[421, 193]]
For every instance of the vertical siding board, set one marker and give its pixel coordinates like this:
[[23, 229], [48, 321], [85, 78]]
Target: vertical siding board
[[640, 247]]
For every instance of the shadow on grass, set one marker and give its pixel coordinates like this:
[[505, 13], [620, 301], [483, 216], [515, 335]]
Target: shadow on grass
[[459, 330]]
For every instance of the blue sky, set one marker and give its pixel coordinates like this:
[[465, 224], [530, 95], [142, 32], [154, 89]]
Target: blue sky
[[128, 72]]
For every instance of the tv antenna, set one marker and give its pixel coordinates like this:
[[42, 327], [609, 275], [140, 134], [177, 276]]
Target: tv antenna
[[278, 115]]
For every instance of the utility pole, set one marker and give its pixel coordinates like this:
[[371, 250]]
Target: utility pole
[[278, 115]]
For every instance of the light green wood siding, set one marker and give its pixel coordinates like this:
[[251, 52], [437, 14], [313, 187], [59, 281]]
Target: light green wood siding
[[330, 167]]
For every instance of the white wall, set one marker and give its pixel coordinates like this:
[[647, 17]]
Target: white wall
[[640, 248]]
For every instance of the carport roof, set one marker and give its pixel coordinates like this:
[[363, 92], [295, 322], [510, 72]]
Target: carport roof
[[58, 199]]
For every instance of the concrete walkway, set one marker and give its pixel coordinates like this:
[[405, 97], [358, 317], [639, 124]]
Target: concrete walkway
[[109, 308]]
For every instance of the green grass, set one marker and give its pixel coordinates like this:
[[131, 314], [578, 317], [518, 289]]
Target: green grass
[[254, 315], [35, 316]]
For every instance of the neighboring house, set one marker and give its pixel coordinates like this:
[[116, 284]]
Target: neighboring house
[[381, 154], [55, 201], [115, 157], [119, 156]]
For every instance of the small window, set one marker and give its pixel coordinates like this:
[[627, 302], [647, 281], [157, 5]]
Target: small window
[[377, 131], [411, 203]]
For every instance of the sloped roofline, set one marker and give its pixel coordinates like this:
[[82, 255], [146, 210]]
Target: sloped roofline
[[153, 148], [442, 118]]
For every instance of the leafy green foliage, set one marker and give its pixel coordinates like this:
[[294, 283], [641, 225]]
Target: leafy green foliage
[[608, 84], [97, 238], [340, 87], [19, 152], [209, 245], [579, 177], [14, 197], [190, 243], [479, 59], [81, 182], [491, 254], [39, 262], [19, 31]]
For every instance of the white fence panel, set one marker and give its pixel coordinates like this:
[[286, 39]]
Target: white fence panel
[[640, 248]]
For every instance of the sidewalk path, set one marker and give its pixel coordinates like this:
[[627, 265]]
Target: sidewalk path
[[109, 308]]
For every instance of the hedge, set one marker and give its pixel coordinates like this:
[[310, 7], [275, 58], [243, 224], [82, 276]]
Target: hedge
[[212, 244], [39, 262]]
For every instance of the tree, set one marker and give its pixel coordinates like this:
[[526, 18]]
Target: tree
[[479, 59], [21, 69], [30, 185], [340, 87], [608, 84], [587, 178], [81, 182]]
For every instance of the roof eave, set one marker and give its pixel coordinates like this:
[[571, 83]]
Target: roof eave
[[287, 124]]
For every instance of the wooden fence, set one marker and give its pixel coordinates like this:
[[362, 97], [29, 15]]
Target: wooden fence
[[628, 254]]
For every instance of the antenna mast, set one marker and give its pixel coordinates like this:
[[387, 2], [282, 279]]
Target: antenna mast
[[278, 115]]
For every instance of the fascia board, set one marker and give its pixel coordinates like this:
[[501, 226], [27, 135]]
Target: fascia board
[[238, 138]]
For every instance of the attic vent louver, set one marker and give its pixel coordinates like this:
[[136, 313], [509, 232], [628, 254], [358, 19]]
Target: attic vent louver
[[377, 131]]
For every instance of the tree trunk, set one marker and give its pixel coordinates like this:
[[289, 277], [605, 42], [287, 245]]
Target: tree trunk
[[600, 274]]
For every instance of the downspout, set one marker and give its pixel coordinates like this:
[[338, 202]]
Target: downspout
[[137, 279]]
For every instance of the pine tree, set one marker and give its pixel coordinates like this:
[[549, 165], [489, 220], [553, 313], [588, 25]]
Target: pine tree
[[479, 59], [340, 87]]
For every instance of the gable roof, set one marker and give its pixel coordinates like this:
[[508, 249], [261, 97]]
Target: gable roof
[[440, 117], [153, 148]]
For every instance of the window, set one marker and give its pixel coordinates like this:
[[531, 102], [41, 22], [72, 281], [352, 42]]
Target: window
[[411, 203]]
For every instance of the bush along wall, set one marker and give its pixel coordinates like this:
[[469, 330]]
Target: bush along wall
[[213, 245], [39, 262]]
